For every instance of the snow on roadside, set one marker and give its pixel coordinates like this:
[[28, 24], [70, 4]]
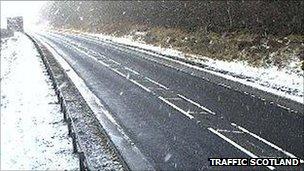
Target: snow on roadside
[[33, 134], [282, 82]]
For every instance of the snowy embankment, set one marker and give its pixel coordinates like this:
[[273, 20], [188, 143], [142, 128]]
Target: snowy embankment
[[33, 134], [287, 82]]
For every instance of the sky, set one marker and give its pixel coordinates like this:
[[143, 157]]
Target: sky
[[28, 9]]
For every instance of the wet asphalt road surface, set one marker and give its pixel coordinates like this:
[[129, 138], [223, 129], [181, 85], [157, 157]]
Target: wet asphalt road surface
[[178, 120]]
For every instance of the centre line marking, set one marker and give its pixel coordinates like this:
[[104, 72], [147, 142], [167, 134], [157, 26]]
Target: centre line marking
[[145, 88], [190, 116]]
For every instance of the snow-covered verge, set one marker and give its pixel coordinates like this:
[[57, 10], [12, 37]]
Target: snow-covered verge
[[33, 134], [287, 82]]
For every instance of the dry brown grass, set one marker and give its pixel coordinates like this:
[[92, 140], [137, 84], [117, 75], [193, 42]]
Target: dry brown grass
[[257, 50]]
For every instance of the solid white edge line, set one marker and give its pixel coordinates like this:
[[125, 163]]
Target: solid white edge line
[[211, 129], [143, 87], [92, 100], [122, 46], [176, 107], [229, 77], [236, 145], [266, 142]]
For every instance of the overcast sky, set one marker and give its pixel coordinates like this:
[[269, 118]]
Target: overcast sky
[[28, 9]]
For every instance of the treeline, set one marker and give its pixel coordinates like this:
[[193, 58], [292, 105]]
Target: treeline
[[270, 17]]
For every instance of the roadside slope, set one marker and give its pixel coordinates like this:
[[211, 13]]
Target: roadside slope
[[33, 134]]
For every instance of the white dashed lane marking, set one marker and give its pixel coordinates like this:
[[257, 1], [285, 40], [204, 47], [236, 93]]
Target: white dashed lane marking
[[265, 141], [236, 145], [176, 107], [174, 97], [196, 104]]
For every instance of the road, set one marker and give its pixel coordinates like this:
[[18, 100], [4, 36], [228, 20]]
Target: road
[[176, 119]]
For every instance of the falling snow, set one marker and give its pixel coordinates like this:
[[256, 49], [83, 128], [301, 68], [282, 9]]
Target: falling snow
[[284, 82], [33, 134]]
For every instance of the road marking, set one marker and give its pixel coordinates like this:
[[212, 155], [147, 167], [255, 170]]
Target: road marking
[[129, 69], [173, 98], [188, 113], [125, 144], [224, 130], [92, 100], [266, 142], [236, 145], [140, 85], [196, 104], [176, 107], [155, 88], [157, 83], [224, 85], [119, 73], [123, 49], [147, 89], [113, 61], [189, 100], [284, 107]]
